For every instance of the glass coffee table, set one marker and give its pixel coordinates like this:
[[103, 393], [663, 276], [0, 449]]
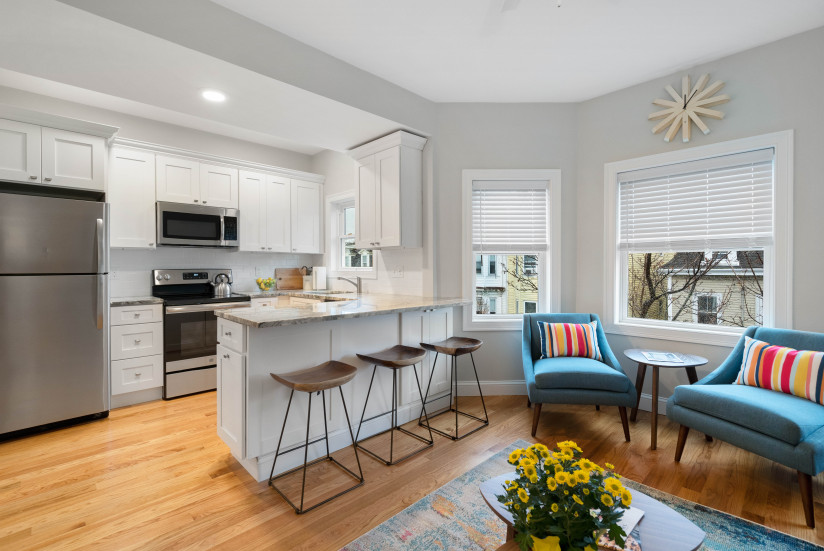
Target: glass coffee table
[[661, 529], [657, 359]]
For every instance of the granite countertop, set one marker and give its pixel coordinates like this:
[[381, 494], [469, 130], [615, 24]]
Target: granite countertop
[[322, 295], [135, 301], [356, 307]]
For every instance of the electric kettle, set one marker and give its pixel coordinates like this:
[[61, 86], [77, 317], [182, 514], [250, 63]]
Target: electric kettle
[[222, 285]]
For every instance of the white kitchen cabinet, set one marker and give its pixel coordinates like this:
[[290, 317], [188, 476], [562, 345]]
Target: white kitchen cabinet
[[136, 348], [19, 151], [265, 212], [307, 221], [69, 159], [388, 198], [218, 186], [177, 179], [131, 195], [231, 399], [230, 334]]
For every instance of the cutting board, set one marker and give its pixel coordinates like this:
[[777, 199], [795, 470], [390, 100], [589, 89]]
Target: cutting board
[[289, 278]]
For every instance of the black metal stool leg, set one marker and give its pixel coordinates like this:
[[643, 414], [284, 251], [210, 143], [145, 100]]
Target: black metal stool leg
[[325, 427], [423, 403], [428, 386], [480, 392], [365, 402], [282, 430], [455, 380], [352, 435], [306, 451]]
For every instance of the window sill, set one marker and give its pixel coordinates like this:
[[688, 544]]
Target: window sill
[[493, 325], [727, 337], [363, 273]]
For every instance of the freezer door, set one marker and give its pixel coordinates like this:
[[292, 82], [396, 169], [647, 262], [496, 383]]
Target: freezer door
[[53, 349], [48, 235]]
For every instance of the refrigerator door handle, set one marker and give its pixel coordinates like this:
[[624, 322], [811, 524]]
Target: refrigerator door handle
[[101, 299], [100, 240]]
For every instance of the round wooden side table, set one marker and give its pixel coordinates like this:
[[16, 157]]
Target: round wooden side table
[[663, 359]]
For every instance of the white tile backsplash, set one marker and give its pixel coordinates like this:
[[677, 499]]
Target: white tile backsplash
[[130, 270]]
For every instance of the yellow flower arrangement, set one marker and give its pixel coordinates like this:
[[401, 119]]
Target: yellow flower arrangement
[[561, 501]]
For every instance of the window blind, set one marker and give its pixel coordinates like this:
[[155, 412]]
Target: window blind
[[709, 204], [509, 216]]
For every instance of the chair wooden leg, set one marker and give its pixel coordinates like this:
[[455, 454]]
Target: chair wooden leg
[[624, 421], [528, 403], [597, 407], [682, 439], [805, 481], [536, 415]]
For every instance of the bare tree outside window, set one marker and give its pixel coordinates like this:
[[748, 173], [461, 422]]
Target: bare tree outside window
[[716, 287]]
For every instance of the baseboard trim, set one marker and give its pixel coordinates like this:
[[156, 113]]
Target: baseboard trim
[[518, 388]]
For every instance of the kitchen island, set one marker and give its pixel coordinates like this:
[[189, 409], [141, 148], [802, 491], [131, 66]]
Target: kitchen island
[[292, 335]]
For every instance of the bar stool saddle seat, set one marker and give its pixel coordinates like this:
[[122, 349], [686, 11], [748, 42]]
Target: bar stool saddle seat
[[317, 379], [454, 346], [395, 358], [322, 377]]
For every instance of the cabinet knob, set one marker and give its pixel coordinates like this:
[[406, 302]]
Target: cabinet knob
[[151, 244], [32, 177], [270, 248], [204, 202], [226, 356], [228, 333], [293, 250], [137, 374], [137, 315], [137, 341], [196, 201], [263, 248], [47, 179]]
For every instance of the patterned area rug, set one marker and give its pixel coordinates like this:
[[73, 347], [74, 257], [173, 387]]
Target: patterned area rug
[[455, 516]]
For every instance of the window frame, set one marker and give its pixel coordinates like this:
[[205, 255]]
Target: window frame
[[696, 311], [549, 272], [777, 278], [335, 205]]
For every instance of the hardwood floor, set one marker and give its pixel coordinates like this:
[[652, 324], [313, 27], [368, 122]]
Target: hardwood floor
[[156, 476]]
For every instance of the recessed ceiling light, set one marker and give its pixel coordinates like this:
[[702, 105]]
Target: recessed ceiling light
[[213, 95]]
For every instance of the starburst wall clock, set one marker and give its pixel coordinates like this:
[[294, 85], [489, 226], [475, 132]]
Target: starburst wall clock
[[688, 107]]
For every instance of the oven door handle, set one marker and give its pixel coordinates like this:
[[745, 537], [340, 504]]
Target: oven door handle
[[206, 307]]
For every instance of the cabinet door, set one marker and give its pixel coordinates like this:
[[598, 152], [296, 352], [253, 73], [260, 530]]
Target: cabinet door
[[137, 374], [306, 217], [231, 400], [131, 194], [178, 179], [19, 151], [73, 160], [388, 198], [218, 186], [252, 204], [278, 215], [365, 205]]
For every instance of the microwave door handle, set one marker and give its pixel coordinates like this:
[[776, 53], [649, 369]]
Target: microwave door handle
[[222, 231]]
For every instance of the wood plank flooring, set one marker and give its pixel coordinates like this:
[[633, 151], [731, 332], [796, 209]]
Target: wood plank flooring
[[156, 476]]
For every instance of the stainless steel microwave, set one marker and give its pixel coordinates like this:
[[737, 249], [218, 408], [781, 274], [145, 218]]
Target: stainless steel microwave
[[196, 226]]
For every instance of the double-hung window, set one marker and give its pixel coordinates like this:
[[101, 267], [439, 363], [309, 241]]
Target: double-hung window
[[509, 252], [345, 255], [700, 244]]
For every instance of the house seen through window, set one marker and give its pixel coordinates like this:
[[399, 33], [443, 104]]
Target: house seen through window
[[351, 257]]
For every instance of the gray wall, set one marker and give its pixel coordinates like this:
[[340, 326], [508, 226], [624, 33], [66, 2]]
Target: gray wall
[[774, 87], [500, 136]]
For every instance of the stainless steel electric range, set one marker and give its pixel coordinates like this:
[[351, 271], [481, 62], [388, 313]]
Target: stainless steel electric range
[[190, 327]]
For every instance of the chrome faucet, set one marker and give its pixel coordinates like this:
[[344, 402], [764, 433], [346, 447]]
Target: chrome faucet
[[356, 282]]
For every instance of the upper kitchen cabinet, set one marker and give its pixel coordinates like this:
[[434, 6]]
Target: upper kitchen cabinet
[[265, 207], [131, 194], [19, 151], [218, 186], [38, 148], [388, 198], [183, 180], [178, 179], [73, 160], [307, 219]]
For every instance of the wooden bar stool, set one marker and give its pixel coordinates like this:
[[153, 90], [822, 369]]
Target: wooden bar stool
[[315, 379], [454, 347], [393, 358]]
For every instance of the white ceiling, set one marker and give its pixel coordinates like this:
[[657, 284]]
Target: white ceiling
[[529, 50]]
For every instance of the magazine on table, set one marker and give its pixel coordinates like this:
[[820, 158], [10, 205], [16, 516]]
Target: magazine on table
[[629, 522], [669, 357]]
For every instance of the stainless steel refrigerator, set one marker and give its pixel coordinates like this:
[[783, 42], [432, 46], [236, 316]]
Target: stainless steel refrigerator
[[54, 343]]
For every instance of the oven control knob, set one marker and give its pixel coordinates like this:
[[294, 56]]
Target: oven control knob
[[159, 277], [167, 277]]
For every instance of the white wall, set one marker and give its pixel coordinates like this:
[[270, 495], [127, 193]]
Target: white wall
[[340, 172], [500, 136], [774, 87]]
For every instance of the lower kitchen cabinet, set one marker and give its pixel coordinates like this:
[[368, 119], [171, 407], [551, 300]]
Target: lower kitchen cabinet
[[231, 399], [136, 337], [136, 374]]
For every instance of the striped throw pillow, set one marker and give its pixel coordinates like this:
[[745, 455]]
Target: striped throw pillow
[[787, 370], [569, 339]]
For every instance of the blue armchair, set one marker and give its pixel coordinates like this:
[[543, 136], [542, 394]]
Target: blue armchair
[[781, 427], [566, 380]]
